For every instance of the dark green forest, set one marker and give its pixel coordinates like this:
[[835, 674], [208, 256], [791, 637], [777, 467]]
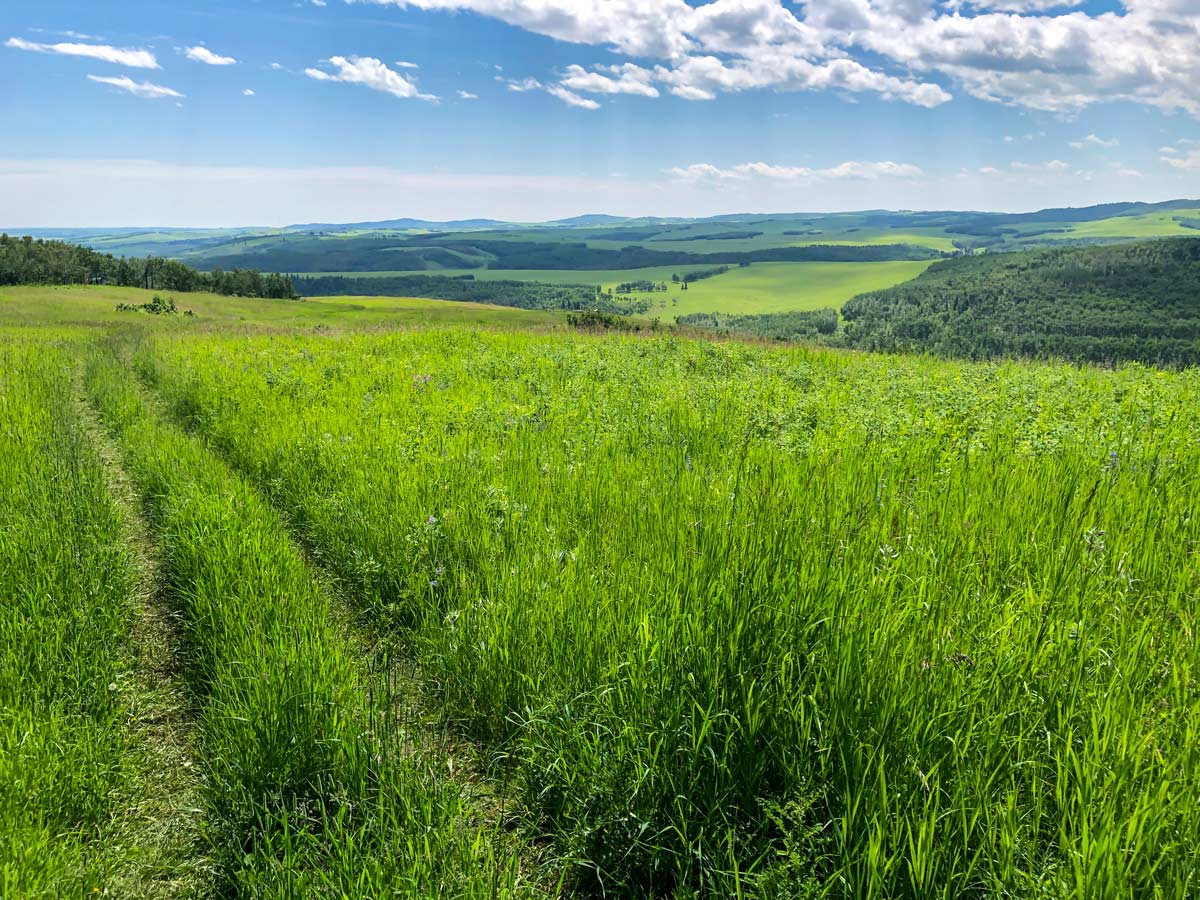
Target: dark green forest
[[29, 261], [435, 251], [814, 324]]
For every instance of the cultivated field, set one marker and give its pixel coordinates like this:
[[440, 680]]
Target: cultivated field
[[462, 603]]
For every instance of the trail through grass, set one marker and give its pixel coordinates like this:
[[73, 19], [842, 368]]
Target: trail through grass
[[780, 623], [74, 760], [312, 787]]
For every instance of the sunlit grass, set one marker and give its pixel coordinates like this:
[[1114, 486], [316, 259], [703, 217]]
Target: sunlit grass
[[312, 785], [64, 613], [776, 622]]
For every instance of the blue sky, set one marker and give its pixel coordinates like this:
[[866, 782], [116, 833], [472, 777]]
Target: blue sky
[[276, 111]]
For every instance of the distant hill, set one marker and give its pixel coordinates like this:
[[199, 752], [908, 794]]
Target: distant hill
[[591, 219], [1089, 304], [402, 225]]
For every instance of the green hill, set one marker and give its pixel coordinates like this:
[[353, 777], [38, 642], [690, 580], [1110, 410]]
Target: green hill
[[1097, 304]]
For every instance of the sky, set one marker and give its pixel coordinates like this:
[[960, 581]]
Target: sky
[[273, 112]]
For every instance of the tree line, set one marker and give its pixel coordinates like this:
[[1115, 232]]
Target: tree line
[[1103, 304], [24, 260]]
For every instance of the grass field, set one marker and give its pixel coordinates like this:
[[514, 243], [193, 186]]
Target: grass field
[[56, 307], [1161, 224], [759, 288], [702, 619]]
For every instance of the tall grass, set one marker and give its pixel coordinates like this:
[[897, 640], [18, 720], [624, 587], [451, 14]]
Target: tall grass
[[64, 662], [772, 623], [313, 789]]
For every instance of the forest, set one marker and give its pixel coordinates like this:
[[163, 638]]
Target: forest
[[25, 260], [420, 252], [1090, 304]]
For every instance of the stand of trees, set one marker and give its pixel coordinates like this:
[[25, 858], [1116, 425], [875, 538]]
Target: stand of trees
[[28, 261], [815, 324], [1105, 304]]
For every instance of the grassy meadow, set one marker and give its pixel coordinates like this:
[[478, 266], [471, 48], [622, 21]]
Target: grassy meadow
[[474, 605], [748, 290]]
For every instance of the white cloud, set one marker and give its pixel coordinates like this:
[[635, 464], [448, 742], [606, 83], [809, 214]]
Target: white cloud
[[1187, 162], [1049, 55], [634, 27], [703, 77], [133, 58], [1054, 165], [625, 79], [524, 84], [1093, 140], [204, 55], [850, 170], [406, 65], [276, 67], [137, 88], [724, 45], [566, 95], [248, 92], [570, 98], [467, 95], [369, 72]]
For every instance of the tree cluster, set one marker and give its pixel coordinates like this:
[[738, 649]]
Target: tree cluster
[[25, 260], [1105, 304]]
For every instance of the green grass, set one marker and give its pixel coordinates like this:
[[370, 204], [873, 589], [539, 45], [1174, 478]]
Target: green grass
[[94, 306], [721, 620], [66, 759], [1152, 225], [765, 623], [312, 785], [781, 287]]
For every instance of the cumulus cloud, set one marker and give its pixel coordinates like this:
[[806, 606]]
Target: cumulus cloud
[[570, 98], [369, 72], [522, 85], [1054, 165], [133, 58], [1186, 162], [137, 88], [723, 45], [850, 170], [563, 93], [1049, 55], [248, 92], [204, 55], [626, 79], [1093, 140], [467, 95]]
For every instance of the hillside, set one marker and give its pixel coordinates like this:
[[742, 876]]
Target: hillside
[[598, 241], [1097, 304], [476, 605]]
